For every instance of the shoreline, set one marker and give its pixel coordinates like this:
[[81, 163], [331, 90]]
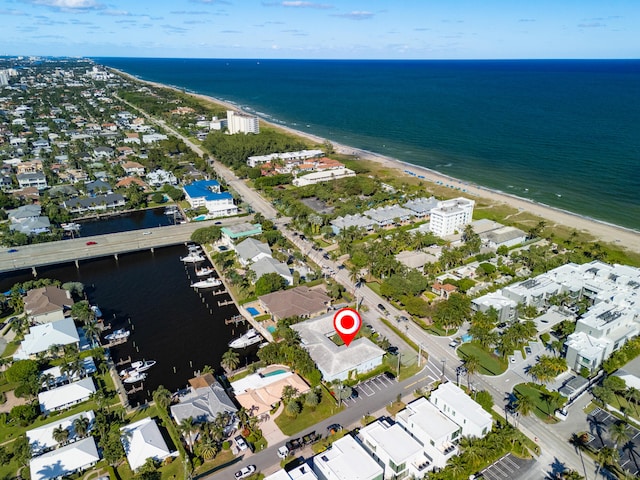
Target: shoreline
[[617, 235]]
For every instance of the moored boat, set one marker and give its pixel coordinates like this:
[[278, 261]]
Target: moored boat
[[193, 258], [135, 377], [117, 335], [249, 338], [204, 271], [208, 283], [143, 365]]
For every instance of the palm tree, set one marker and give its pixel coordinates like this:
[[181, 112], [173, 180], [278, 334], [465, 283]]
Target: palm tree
[[81, 426], [206, 369], [571, 475], [607, 456], [208, 447], [162, 397], [472, 364], [580, 442], [92, 332], [619, 434], [230, 360], [47, 379], [632, 395], [524, 405], [187, 427], [60, 435]]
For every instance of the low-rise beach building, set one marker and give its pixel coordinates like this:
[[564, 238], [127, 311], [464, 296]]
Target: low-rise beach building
[[505, 307], [503, 237], [347, 459], [337, 362], [75, 457], [421, 207], [323, 176], [205, 399], [352, 221], [389, 215], [301, 301], [142, 440], [66, 396], [206, 193], [459, 407], [286, 157]]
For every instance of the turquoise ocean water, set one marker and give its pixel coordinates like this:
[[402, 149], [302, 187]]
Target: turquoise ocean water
[[562, 133]]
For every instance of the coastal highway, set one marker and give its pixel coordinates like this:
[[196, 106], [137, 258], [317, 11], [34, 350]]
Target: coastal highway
[[63, 251]]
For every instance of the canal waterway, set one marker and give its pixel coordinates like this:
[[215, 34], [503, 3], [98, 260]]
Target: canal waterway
[[150, 294], [138, 220]]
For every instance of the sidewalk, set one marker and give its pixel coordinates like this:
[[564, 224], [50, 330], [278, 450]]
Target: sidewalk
[[271, 431]]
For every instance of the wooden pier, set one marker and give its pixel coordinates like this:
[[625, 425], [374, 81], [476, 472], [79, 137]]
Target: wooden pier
[[113, 343], [220, 292], [226, 302], [124, 361], [235, 320], [135, 390]]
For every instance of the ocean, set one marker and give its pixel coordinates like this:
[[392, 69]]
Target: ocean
[[565, 133]]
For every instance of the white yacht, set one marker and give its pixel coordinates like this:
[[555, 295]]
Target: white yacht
[[192, 258], [249, 338], [208, 283], [204, 271], [117, 335], [135, 377], [137, 367]]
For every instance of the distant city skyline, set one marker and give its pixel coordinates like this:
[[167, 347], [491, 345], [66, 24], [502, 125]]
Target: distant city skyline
[[323, 29]]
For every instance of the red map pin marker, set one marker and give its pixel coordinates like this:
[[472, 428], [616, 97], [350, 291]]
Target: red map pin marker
[[347, 322]]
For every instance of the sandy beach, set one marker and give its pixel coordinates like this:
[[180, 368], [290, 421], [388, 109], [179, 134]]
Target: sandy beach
[[608, 233]]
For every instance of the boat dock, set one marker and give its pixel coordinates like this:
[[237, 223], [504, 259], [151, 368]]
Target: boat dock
[[219, 292], [235, 320], [113, 343], [134, 390], [124, 361], [226, 302]]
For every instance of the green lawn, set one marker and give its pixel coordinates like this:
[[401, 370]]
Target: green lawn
[[490, 364], [308, 417], [541, 408]]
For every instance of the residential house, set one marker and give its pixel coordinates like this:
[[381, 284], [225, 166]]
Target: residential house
[[437, 434], [132, 137], [421, 207], [459, 407], [391, 446], [65, 461], [47, 304], [269, 265], [251, 250], [103, 152], [352, 221], [126, 182], [443, 291], [161, 177], [301, 301], [27, 219], [301, 472], [97, 187], [206, 193], [96, 203], [133, 168], [336, 362], [37, 180], [205, 400], [41, 439], [66, 395], [389, 215], [346, 460], [42, 337], [505, 307], [151, 137], [503, 237], [142, 440]]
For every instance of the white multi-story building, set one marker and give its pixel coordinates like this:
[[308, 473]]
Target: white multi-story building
[[462, 409], [323, 176], [346, 460], [302, 472], [286, 157], [450, 215], [437, 434], [239, 122], [206, 193], [401, 455]]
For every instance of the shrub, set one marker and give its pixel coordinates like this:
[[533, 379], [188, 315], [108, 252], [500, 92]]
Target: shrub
[[226, 445]]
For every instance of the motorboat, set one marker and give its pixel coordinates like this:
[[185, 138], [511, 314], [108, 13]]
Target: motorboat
[[204, 271], [137, 367], [96, 311], [208, 283], [250, 338], [117, 335], [70, 227], [135, 377], [193, 258]]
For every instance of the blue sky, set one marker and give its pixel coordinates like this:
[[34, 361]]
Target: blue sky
[[350, 29]]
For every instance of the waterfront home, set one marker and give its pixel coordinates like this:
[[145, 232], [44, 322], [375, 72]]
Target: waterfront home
[[206, 193], [128, 181], [42, 337], [347, 459], [41, 439], [65, 461], [27, 219], [251, 250], [233, 233], [96, 203], [459, 407], [37, 180], [437, 434], [142, 440], [503, 237], [161, 177], [47, 304], [301, 301], [336, 362], [206, 398], [97, 187], [269, 265], [66, 395], [400, 453]]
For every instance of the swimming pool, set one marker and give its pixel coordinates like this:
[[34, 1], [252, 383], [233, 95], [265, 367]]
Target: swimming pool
[[253, 311], [275, 372], [272, 329]]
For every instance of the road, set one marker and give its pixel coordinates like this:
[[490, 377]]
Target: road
[[554, 445]]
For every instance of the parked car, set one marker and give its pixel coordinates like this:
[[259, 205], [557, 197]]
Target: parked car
[[244, 472], [371, 329], [334, 427], [392, 350], [354, 393], [453, 344], [381, 308], [527, 350], [241, 443]]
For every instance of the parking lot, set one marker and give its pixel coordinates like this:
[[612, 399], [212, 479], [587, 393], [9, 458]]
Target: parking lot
[[371, 387], [508, 467], [600, 422]]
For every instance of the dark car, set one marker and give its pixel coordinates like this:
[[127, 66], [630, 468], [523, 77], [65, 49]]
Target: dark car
[[334, 427], [403, 318], [12, 250], [92, 243], [218, 223], [502, 325], [392, 350], [354, 393], [381, 307]]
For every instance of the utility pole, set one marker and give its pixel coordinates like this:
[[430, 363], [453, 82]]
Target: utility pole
[[419, 354], [444, 362]]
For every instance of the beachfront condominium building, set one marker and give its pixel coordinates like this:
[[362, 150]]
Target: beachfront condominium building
[[346, 460], [462, 409], [239, 122], [323, 176], [451, 215], [391, 446], [437, 434], [286, 157]]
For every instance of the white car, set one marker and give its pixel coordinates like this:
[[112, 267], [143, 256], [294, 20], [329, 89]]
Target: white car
[[244, 472], [240, 442]]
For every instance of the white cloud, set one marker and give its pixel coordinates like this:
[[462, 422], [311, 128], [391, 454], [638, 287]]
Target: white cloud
[[297, 4], [78, 5], [356, 15]]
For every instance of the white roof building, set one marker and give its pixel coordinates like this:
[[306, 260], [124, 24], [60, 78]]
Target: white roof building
[[450, 215], [505, 307], [67, 395], [270, 265], [323, 176], [421, 207], [64, 461], [286, 157], [142, 440], [462, 409], [251, 250], [333, 361], [347, 460], [401, 455], [41, 337], [240, 122], [433, 430], [358, 221], [41, 438], [302, 472], [388, 215]]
